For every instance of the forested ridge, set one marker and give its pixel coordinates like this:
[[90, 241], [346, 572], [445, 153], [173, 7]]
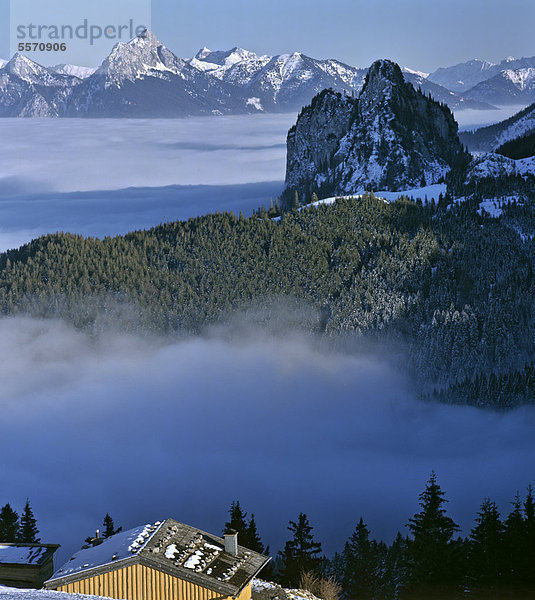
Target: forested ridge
[[454, 287]]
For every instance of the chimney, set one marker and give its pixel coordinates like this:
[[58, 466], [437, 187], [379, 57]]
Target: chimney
[[231, 542]]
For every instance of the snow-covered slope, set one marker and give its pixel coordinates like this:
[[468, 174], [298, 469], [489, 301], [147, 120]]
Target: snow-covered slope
[[442, 94], [282, 82], [464, 76], [143, 78], [75, 70], [495, 166], [28, 89], [291, 80], [510, 86]]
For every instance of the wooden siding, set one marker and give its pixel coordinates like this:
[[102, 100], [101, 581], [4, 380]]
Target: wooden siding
[[138, 582], [26, 576]]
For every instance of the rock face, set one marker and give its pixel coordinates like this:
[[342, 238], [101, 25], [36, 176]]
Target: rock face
[[390, 137], [511, 86], [143, 78], [29, 90]]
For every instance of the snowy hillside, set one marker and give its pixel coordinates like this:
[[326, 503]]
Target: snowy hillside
[[463, 76], [75, 70], [510, 86]]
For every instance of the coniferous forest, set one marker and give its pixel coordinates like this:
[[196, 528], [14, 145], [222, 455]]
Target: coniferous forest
[[442, 284], [429, 560]]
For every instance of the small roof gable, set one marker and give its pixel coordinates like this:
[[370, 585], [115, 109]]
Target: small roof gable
[[171, 547], [26, 554]]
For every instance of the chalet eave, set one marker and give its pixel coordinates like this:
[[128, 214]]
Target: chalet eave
[[225, 589]]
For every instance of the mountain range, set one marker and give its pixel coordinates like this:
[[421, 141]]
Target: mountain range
[[143, 78]]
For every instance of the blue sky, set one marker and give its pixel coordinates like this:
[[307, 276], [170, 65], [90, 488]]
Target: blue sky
[[423, 34]]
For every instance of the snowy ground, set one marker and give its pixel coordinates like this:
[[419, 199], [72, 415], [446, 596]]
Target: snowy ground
[[260, 589], [423, 193], [266, 590], [16, 594]]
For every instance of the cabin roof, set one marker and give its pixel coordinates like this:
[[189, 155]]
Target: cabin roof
[[26, 554], [172, 547]]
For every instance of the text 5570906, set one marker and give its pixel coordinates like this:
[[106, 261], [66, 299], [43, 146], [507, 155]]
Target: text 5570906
[[42, 47]]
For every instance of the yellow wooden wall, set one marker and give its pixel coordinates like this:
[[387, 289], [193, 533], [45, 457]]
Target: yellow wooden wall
[[138, 582]]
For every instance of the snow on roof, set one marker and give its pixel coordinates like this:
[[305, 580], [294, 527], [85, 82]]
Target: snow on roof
[[171, 547], [22, 555], [120, 546]]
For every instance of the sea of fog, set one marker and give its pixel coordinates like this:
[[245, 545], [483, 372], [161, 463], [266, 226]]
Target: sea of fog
[[103, 177], [109, 176], [147, 428]]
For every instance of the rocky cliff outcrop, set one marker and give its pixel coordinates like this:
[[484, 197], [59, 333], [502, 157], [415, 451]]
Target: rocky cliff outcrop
[[390, 137]]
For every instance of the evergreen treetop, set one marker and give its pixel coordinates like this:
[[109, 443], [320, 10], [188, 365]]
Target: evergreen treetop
[[28, 526], [9, 524], [300, 554]]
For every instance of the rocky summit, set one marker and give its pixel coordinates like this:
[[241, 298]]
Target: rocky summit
[[391, 137]]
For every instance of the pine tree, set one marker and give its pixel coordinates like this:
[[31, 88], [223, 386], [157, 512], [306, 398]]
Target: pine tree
[[300, 554], [9, 525], [252, 538], [529, 549], [359, 579], [486, 545], [514, 542], [431, 552], [28, 526], [237, 521], [109, 527]]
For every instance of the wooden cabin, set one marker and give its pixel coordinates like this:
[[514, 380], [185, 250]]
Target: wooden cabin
[[26, 565], [165, 561]]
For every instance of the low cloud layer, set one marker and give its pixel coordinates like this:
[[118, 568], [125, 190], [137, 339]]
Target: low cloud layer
[[99, 214], [72, 155], [148, 428], [72, 175]]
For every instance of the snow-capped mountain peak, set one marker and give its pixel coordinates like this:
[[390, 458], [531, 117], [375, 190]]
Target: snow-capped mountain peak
[[390, 137], [141, 56], [24, 68], [203, 53]]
